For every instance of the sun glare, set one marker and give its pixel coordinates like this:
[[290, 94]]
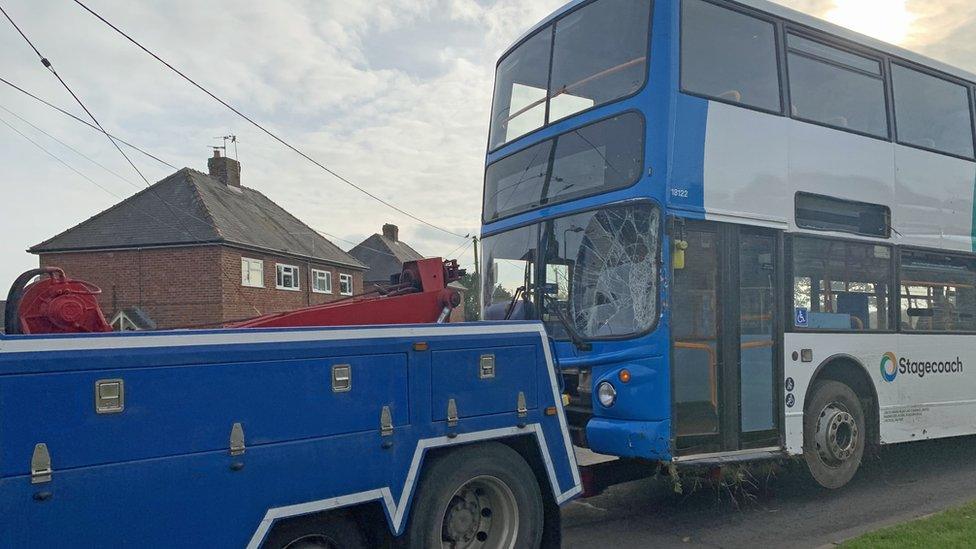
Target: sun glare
[[888, 20]]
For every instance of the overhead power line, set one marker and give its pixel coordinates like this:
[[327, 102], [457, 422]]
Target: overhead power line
[[264, 129], [85, 122], [182, 227], [50, 67], [69, 147]]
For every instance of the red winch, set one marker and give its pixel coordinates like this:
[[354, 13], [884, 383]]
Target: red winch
[[53, 304], [56, 304]]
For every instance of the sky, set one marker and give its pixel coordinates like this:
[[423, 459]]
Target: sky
[[392, 94]]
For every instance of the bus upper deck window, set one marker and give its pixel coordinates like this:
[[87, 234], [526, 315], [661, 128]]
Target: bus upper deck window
[[932, 113], [729, 56], [836, 88], [598, 54]]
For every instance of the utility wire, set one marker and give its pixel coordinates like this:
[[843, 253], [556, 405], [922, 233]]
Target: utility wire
[[144, 212], [83, 121], [58, 159], [264, 129], [47, 64], [70, 148], [50, 67]]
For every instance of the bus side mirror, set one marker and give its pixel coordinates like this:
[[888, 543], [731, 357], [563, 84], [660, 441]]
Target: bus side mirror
[[678, 254]]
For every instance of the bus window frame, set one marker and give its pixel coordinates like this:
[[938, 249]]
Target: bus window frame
[[663, 240], [847, 47], [888, 226], [641, 173], [551, 27], [969, 86], [918, 249], [778, 36], [789, 280]]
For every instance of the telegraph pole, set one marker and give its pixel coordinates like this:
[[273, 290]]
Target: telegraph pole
[[478, 282]]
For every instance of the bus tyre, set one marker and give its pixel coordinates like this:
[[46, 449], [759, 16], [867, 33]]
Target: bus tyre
[[480, 496], [833, 434], [332, 531]]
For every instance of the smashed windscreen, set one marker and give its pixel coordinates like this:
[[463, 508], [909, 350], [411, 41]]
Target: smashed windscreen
[[615, 273], [597, 271]]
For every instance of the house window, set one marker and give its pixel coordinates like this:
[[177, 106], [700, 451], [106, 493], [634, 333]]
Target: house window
[[321, 281], [252, 272], [345, 284], [288, 278]]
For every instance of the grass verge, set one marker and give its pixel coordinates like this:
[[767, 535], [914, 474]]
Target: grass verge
[[953, 528]]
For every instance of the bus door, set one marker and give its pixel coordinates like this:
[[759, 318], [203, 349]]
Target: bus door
[[725, 330]]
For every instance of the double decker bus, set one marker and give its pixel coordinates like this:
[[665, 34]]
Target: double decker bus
[[750, 232]]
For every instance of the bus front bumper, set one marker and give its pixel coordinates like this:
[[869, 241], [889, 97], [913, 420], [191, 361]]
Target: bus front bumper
[[629, 439]]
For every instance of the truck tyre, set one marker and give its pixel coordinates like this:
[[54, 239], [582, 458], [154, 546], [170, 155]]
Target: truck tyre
[[331, 531], [834, 434], [483, 496]]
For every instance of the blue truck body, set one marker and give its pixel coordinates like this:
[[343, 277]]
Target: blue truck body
[[165, 471]]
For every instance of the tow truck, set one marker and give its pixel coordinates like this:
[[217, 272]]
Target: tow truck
[[368, 422]]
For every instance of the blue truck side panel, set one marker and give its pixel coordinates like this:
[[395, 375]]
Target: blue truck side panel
[[160, 472]]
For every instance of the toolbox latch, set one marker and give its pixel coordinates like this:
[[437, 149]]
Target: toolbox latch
[[386, 422], [237, 446], [109, 396], [41, 464], [452, 413]]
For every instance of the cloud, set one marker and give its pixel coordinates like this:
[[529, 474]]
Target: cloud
[[394, 95]]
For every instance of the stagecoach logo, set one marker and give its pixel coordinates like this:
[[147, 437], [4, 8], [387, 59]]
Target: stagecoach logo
[[891, 366]]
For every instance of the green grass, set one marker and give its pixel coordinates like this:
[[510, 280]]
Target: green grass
[[953, 528]]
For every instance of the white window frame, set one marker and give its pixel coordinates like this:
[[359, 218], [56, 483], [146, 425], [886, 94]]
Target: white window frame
[[328, 281], [296, 273], [345, 278], [246, 269]]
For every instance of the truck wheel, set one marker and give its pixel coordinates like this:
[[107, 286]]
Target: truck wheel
[[333, 531], [834, 434], [482, 496]]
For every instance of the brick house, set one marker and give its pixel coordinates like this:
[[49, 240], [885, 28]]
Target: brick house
[[384, 255], [201, 250]]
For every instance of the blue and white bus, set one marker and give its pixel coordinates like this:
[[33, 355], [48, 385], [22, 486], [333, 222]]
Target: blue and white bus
[[750, 232]]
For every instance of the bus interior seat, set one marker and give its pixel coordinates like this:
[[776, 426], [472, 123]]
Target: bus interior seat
[[927, 142], [731, 95], [856, 305], [794, 110]]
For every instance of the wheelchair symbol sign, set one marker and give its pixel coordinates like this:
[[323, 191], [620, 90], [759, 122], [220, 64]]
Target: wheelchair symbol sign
[[802, 318]]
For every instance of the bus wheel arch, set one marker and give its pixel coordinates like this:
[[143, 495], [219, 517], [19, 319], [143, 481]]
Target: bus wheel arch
[[851, 372], [839, 411]]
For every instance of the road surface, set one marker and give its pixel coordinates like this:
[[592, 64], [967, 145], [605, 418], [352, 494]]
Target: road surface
[[903, 483]]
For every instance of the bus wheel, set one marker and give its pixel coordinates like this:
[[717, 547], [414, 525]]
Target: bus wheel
[[333, 531], [481, 496], [833, 434]]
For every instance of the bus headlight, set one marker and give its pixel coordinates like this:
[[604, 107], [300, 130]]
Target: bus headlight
[[606, 393]]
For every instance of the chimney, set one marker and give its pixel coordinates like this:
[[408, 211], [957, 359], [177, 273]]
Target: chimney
[[225, 170], [392, 232]]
